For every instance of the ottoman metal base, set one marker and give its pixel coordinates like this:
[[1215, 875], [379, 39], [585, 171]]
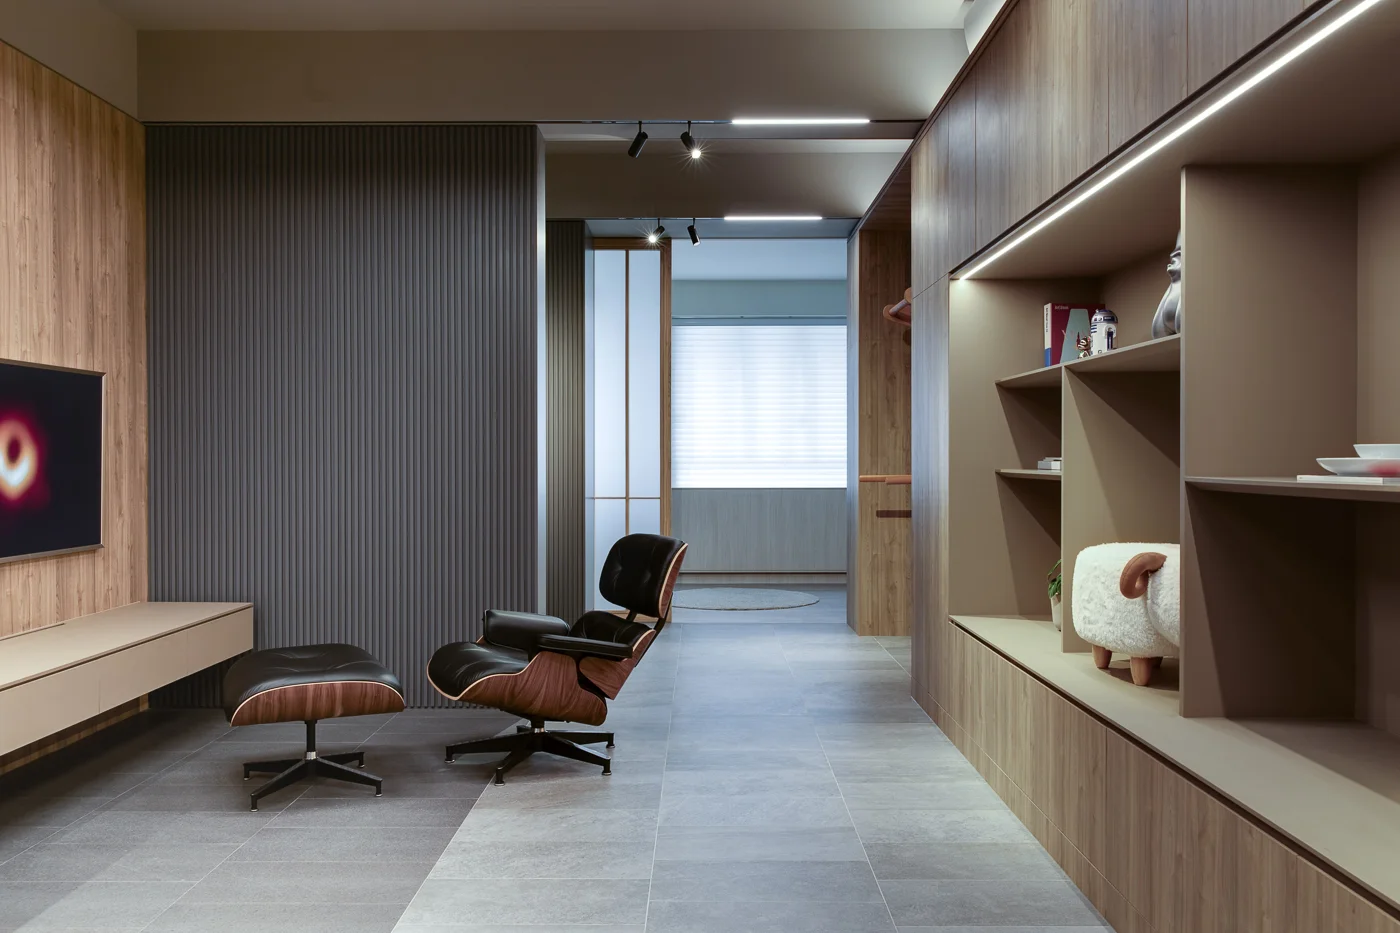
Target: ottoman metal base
[[291, 770]]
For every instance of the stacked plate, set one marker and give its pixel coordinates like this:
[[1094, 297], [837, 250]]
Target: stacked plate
[[1373, 460]]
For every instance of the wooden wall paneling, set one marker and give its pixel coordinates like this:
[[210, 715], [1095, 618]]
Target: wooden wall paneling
[[928, 380], [1072, 70], [927, 200], [957, 141], [73, 285], [1010, 160], [1222, 31], [1146, 56], [880, 558]]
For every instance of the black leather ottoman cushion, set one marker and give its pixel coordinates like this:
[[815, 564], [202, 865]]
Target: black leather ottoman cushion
[[307, 683]]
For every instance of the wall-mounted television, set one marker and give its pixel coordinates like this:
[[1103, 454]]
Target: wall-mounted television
[[50, 460]]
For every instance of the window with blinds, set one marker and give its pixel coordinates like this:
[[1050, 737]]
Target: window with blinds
[[758, 406]]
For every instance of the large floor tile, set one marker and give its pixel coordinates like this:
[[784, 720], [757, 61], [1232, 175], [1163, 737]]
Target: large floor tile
[[794, 783], [48, 905], [307, 883], [277, 918], [776, 810], [758, 845], [768, 917], [764, 881], [587, 795], [156, 862], [491, 902], [129, 827], [952, 794], [992, 903], [939, 826], [548, 859], [400, 845], [962, 861], [502, 827], [371, 811]]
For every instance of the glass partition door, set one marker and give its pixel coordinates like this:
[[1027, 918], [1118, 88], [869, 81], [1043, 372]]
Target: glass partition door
[[627, 486]]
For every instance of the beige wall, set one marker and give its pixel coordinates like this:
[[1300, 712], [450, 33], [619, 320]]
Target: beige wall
[[81, 40], [419, 76]]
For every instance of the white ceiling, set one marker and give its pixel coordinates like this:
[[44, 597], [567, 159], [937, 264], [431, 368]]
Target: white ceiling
[[757, 260], [533, 15]]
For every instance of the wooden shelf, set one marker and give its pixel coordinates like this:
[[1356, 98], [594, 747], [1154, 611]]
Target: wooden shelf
[[1331, 787], [1051, 475], [1291, 487], [1151, 356]]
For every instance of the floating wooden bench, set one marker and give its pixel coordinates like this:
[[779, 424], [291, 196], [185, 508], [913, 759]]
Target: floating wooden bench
[[62, 675]]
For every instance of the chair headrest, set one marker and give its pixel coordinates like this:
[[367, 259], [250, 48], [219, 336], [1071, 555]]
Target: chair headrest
[[640, 573]]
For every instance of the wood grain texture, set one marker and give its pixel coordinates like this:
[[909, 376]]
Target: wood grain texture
[[1152, 849], [309, 702], [1223, 31], [609, 676], [73, 289], [929, 489], [957, 141], [1012, 172], [878, 575], [547, 688], [1146, 64]]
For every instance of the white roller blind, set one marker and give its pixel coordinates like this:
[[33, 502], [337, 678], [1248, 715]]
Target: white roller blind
[[760, 407]]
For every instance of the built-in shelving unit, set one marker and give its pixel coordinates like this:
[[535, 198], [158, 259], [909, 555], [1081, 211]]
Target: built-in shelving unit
[[1286, 697], [1333, 787], [1051, 475]]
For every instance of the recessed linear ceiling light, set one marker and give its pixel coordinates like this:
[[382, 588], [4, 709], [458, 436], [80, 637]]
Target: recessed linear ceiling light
[[799, 121], [1249, 84], [774, 218]]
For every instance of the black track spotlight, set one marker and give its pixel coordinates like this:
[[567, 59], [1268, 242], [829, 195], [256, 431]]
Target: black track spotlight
[[654, 236], [638, 141], [690, 144], [694, 234]]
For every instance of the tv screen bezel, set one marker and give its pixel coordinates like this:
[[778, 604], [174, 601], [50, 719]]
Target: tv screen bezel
[[101, 464]]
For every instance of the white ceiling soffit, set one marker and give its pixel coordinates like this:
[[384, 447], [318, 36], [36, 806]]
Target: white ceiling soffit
[[573, 15], [717, 228], [664, 143], [758, 260]]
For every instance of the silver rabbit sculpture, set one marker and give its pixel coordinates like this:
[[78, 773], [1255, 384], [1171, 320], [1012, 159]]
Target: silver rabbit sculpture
[[1168, 320]]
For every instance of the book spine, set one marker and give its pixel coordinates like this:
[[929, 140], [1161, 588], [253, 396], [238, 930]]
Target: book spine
[[1049, 334]]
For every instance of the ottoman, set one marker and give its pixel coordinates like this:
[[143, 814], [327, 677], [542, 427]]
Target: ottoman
[[307, 683]]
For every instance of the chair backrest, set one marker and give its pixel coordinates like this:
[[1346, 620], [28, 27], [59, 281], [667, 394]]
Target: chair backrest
[[640, 574]]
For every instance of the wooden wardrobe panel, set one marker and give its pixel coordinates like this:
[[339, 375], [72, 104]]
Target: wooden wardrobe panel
[[957, 129], [1146, 64], [1071, 51], [1011, 165], [1220, 32]]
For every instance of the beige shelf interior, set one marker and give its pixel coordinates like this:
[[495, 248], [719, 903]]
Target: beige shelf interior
[[1160, 355], [1293, 487], [1332, 787], [1050, 475]]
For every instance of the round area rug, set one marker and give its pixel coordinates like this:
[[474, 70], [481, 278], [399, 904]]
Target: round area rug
[[732, 597]]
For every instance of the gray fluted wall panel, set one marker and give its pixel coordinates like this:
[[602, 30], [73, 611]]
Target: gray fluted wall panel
[[343, 332], [564, 326]]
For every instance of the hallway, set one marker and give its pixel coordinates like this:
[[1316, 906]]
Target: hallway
[[769, 777]]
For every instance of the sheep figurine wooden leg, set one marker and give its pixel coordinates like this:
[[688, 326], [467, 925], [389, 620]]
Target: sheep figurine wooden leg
[[1111, 621]]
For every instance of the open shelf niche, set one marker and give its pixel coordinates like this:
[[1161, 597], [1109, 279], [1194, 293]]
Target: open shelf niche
[[1010, 520]]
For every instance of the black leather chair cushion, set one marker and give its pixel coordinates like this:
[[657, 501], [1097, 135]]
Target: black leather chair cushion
[[455, 667], [604, 626], [520, 630], [304, 665], [634, 575]]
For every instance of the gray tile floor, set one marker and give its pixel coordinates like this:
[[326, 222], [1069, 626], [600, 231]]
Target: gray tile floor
[[768, 777]]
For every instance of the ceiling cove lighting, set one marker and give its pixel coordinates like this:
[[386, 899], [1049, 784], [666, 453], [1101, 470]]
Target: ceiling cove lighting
[[654, 236], [771, 218], [799, 121], [694, 234], [1249, 84], [638, 141], [690, 144]]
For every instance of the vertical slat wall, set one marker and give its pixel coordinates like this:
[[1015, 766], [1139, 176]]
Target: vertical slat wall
[[565, 284], [343, 376]]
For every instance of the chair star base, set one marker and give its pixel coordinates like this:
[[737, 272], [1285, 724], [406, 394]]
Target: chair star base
[[291, 770], [535, 738]]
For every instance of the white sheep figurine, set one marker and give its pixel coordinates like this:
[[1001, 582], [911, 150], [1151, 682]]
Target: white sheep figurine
[[1127, 599]]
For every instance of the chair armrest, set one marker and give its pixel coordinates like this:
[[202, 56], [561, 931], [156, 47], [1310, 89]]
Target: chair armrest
[[585, 647], [520, 630]]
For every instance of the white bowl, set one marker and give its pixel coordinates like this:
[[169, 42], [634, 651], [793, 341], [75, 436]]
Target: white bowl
[[1378, 451], [1360, 466]]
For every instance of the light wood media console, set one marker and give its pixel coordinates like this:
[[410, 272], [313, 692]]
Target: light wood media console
[[57, 677]]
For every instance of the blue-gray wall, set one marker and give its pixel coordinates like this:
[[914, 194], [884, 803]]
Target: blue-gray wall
[[345, 327]]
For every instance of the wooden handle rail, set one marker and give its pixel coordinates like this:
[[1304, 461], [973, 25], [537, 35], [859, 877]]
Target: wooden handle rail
[[902, 311]]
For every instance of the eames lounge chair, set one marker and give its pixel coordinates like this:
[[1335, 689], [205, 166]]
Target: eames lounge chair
[[542, 668]]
